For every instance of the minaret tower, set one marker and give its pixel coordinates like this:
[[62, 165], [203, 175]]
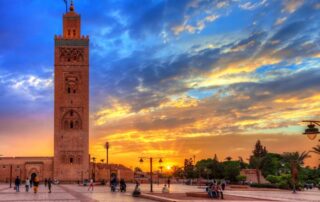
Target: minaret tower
[[71, 101]]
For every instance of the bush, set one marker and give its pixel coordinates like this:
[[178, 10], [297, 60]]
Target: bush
[[241, 178], [283, 185], [273, 179]]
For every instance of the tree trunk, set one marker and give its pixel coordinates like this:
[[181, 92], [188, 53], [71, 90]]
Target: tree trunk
[[258, 176], [294, 175]]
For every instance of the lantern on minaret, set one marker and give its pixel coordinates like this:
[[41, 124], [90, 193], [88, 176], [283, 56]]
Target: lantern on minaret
[[107, 146]]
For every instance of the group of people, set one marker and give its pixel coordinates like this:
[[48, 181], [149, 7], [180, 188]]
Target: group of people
[[215, 190], [33, 182], [113, 185]]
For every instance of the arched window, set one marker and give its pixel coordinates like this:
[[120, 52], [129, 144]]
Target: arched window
[[71, 120], [74, 32], [71, 84], [71, 160]]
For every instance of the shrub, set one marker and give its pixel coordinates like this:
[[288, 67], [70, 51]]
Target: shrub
[[283, 185], [241, 178], [273, 179]]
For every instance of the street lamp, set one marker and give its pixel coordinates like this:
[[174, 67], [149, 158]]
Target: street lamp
[[107, 146], [312, 131], [94, 169], [151, 161]]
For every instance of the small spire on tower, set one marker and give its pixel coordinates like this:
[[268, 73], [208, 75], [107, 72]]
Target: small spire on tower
[[71, 6]]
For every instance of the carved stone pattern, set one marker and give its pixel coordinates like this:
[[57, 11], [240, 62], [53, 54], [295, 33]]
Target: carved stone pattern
[[72, 55]]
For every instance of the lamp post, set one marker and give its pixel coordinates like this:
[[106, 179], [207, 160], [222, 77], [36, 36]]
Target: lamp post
[[151, 161], [107, 146], [10, 175], [312, 131], [94, 169]]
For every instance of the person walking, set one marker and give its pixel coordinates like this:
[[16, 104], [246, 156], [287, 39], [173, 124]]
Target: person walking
[[17, 184], [219, 191], [45, 182], [49, 184], [223, 185], [35, 184], [168, 181], [31, 182], [91, 185], [27, 184]]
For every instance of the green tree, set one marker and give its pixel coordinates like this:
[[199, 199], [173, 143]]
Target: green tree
[[295, 160], [216, 169], [243, 164], [271, 164], [177, 172], [257, 162], [189, 171], [259, 150], [202, 168], [241, 178], [210, 168], [231, 169], [257, 158]]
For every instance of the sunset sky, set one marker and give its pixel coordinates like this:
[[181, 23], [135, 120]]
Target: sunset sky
[[169, 78]]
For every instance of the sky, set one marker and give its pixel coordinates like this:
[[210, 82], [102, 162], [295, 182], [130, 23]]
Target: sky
[[168, 78]]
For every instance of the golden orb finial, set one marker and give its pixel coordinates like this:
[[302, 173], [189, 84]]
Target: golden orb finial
[[71, 6]]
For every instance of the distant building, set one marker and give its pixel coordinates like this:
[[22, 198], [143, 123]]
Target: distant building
[[71, 161]]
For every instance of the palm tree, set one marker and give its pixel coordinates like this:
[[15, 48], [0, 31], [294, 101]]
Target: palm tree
[[228, 158], [316, 149], [295, 160]]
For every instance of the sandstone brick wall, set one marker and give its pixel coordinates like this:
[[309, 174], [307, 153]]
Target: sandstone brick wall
[[25, 166], [104, 171]]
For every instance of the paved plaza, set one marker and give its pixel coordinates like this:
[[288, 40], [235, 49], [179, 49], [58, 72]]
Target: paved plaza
[[102, 193]]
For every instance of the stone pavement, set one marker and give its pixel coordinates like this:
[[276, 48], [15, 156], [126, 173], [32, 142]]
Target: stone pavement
[[75, 193], [280, 195], [70, 193]]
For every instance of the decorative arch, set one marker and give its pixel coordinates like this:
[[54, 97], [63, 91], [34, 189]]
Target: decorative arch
[[32, 171], [71, 84], [71, 120]]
